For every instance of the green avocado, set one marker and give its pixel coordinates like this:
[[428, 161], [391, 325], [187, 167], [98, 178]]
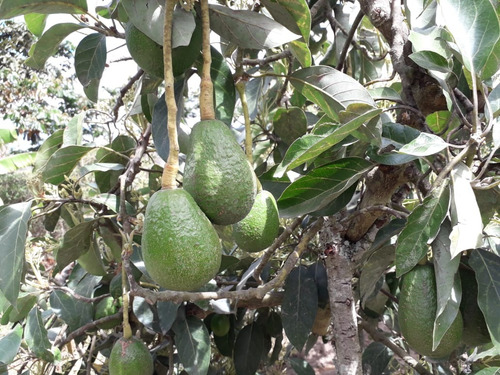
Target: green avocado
[[417, 312], [217, 173], [130, 357], [180, 247], [475, 329], [260, 227], [106, 307], [149, 55]]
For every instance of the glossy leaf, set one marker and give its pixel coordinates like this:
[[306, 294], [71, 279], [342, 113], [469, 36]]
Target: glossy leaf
[[100, 167], [293, 14], [301, 52], [9, 345], [248, 29], [51, 145], [73, 312], [145, 313], [35, 335], [299, 307], [62, 162], [421, 228], [474, 26], [248, 349], [49, 42], [321, 186], [160, 115], [76, 242], [487, 268], [385, 93], [112, 202], [147, 17], [375, 358], [14, 8], [90, 61], [35, 22], [167, 312], [183, 25], [332, 90], [424, 145], [467, 224], [310, 146], [431, 61], [13, 229], [12, 163], [448, 279], [193, 344]]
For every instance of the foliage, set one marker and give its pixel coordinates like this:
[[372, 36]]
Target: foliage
[[373, 173]]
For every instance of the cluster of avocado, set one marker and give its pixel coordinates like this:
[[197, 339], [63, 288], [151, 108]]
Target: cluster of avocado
[[417, 312], [180, 246]]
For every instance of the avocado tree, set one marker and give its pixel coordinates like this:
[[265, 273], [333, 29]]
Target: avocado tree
[[341, 181]]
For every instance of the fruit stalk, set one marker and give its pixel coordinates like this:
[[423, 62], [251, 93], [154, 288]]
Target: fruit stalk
[[240, 86], [127, 330], [207, 111], [168, 180]]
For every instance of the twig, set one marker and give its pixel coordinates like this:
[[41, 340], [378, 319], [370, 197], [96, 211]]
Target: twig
[[123, 92], [348, 40], [262, 62], [376, 208], [91, 325], [380, 337], [248, 294], [272, 249], [78, 296], [381, 79]]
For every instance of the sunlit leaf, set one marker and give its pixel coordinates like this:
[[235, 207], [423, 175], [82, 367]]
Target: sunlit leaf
[[448, 279], [51, 145], [12, 163], [49, 42], [321, 186], [35, 22], [293, 14], [193, 344], [13, 230], [424, 145], [301, 52], [14, 8], [248, 29], [9, 345], [7, 134], [147, 16], [73, 132], [487, 268], [431, 61], [421, 228], [332, 90], [467, 224], [62, 162]]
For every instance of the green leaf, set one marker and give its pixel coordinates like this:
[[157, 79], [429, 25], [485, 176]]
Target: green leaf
[[431, 61], [159, 122], [92, 261], [375, 358], [112, 202], [13, 229], [421, 228], [73, 312], [183, 25], [224, 90], [448, 279], [474, 26], [145, 313], [14, 8], [320, 186], [374, 269], [492, 64], [7, 134], [332, 90], [248, 29], [466, 219], [301, 52], [249, 349], [300, 366], [488, 371], [385, 93], [76, 242], [100, 167], [24, 304], [73, 132], [147, 17], [299, 307], [193, 344], [12, 163], [487, 268], [62, 162], [293, 14], [49, 42], [424, 145], [310, 146], [90, 61], [51, 145], [35, 335], [439, 121], [167, 312], [289, 123], [9, 345]]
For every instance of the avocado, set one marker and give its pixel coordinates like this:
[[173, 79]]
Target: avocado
[[475, 329], [217, 173], [180, 247], [130, 357], [260, 227], [149, 55], [417, 312], [106, 307]]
